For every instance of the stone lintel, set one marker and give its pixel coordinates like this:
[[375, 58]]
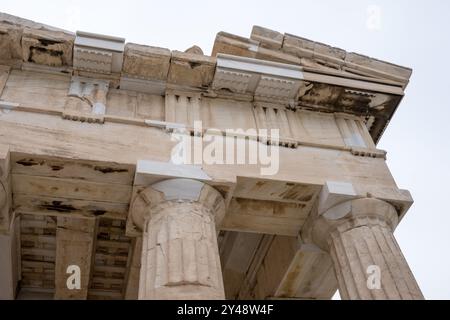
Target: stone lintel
[[149, 172], [155, 87]]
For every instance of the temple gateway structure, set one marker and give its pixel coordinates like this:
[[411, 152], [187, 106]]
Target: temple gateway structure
[[93, 205]]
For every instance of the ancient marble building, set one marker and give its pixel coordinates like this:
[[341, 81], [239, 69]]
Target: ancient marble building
[[88, 187]]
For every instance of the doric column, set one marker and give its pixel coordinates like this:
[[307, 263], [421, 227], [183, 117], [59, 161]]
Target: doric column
[[368, 262], [180, 257], [9, 230]]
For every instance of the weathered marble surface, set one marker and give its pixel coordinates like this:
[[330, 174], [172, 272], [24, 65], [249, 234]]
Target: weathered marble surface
[[66, 187], [180, 257]]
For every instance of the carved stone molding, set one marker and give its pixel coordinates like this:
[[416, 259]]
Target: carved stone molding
[[87, 100], [98, 53], [276, 88], [264, 80], [369, 153], [234, 81]]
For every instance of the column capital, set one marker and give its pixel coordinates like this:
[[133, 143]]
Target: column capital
[[150, 200], [180, 259], [368, 262], [358, 235], [348, 215]]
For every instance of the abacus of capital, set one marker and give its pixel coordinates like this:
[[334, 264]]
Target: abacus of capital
[[88, 182]]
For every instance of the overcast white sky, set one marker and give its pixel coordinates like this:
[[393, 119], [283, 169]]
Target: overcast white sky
[[410, 33]]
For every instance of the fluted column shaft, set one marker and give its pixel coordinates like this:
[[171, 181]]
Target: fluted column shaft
[[368, 262], [180, 256], [364, 250]]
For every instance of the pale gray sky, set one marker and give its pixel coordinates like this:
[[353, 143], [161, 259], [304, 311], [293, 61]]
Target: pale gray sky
[[410, 33]]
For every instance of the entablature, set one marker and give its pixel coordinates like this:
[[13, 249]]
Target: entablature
[[269, 67], [84, 99], [68, 188]]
